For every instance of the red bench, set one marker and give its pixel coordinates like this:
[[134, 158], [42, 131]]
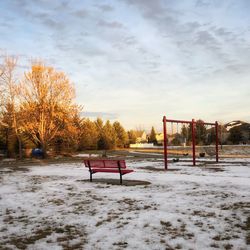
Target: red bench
[[107, 166]]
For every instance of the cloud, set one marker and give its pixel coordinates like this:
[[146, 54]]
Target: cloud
[[81, 13], [160, 50], [103, 115], [105, 7], [200, 42], [111, 25], [205, 38], [236, 68], [125, 42], [203, 3], [191, 26], [130, 40], [149, 8], [222, 32], [52, 24]]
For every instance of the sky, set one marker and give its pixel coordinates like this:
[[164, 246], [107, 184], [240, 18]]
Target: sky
[[137, 60]]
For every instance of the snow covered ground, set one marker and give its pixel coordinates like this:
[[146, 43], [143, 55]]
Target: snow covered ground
[[56, 207]]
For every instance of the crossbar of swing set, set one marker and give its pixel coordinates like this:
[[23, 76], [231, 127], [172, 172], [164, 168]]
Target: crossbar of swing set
[[181, 121], [192, 123]]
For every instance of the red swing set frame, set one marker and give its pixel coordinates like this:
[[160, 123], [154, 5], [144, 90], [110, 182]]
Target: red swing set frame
[[193, 131]]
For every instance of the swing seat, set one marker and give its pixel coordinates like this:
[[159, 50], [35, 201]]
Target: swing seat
[[176, 159], [185, 154], [202, 154]]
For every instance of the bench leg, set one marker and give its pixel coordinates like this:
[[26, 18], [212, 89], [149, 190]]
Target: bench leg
[[121, 179]]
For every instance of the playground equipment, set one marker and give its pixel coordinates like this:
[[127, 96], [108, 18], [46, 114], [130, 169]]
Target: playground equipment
[[193, 124]]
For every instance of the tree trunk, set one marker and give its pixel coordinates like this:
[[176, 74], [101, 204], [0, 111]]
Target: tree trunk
[[20, 148], [7, 143], [44, 149]]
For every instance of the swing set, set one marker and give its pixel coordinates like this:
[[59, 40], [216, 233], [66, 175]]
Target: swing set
[[193, 128]]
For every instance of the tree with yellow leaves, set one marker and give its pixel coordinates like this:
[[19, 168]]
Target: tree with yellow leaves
[[46, 104]]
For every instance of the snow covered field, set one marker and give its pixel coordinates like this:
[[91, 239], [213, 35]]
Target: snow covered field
[[56, 207]]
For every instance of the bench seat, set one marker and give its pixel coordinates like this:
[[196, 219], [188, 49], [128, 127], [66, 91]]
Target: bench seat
[[106, 170], [107, 166]]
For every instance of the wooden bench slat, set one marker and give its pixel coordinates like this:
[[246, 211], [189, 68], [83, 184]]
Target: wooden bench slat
[[107, 163]]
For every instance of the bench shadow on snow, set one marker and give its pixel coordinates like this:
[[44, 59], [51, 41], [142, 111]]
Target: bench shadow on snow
[[117, 182]]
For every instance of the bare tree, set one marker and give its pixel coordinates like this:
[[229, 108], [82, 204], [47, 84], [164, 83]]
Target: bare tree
[[47, 97], [2, 85], [9, 93]]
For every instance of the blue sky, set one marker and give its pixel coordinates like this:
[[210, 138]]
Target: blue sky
[[137, 60]]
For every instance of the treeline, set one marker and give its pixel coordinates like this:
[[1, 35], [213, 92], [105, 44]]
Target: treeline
[[37, 110], [206, 135], [100, 135]]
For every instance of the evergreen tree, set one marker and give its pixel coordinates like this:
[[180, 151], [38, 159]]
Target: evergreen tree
[[89, 135], [108, 137], [100, 138], [152, 136], [211, 136], [177, 140], [235, 135], [131, 137], [121, 135], [184, 131], [185, 134], [99, 124], [200, 133]]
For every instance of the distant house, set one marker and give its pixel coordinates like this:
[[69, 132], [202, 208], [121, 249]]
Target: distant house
[[141, 137], [233, 124], [159, 138], [239, 129]]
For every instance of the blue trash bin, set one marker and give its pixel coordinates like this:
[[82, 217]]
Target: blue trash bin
[[37, 152]]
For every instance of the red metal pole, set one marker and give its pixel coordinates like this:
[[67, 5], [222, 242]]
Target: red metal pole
[[216, 142], [165, 142], [193, 140]]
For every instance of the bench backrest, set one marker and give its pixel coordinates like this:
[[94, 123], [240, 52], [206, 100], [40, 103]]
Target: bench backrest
[[99, 163]]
